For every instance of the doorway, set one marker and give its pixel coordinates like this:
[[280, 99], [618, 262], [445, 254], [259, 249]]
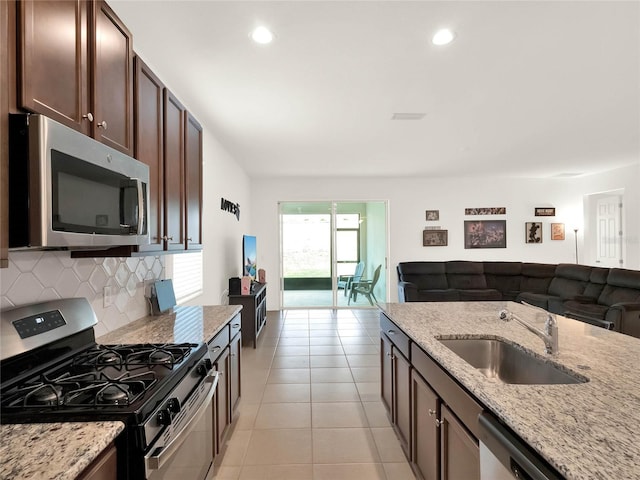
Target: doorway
[[321, 244]]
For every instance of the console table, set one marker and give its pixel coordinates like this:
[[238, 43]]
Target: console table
[[254, 312]]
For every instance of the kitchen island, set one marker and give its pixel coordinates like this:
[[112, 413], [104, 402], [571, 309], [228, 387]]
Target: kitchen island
[[584, 430]]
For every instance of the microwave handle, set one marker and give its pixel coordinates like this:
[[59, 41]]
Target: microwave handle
[[141, 205]]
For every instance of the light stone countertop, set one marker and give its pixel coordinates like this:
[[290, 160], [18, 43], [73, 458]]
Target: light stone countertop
[[61, 451], [52, 451], [586, 431]]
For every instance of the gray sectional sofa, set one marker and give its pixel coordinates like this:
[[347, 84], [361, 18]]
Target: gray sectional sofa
[[609, 298]]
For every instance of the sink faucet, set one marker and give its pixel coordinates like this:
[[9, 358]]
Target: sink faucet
[[550, 334]]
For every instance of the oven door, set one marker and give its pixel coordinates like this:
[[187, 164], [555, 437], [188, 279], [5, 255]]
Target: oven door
[[185, 451]]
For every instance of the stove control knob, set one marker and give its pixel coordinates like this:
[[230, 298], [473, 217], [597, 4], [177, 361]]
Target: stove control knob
[[173, 405], [164, 417], [204, 367]]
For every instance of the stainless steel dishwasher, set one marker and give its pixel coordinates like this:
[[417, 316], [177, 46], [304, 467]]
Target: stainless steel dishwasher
[[504, 456]]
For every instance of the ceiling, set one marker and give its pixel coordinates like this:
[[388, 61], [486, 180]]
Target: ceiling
[[527, 89]]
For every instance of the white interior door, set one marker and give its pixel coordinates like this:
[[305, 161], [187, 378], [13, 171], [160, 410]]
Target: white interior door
[[609, 231]]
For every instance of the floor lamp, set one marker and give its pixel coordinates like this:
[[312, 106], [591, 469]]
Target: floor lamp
[[575, 231]]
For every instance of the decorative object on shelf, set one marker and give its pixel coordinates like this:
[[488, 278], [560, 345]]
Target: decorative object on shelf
[[485, 234], [533, 232], [245, 285], [545, 212], [234, 286], [486, 211], [229, 206], [262, 276], [557, 231], [575, 232], [432, 215], [435, 238]]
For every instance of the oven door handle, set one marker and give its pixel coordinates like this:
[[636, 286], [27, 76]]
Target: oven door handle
[[155, 462]]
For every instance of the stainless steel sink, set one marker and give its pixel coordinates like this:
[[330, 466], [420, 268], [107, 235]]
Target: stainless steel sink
[[509, 364]]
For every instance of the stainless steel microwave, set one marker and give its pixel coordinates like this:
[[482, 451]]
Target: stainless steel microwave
[[67, 190]]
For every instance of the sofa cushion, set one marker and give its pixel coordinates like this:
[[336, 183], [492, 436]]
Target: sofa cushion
[[536, 277], [597, 281], [425, 275], [622, 286], [569, 280], [538, 299], [504, 277], [479, 295], [438, 296], [582, 310], [465, 275]]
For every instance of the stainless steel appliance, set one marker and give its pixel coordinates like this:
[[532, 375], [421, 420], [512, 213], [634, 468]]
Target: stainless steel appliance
[[53, 371], [68, 190], [503, 456]]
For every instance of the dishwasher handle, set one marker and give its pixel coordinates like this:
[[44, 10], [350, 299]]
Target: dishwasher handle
[[512, 452]]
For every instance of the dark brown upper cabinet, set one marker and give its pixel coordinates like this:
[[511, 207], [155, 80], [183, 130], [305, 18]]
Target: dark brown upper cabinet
[[174, 185], [193, 183], [4, 134], [57, 39], [149, 146]]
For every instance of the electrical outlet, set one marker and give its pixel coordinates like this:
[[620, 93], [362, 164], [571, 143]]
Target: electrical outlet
[[107, 297]]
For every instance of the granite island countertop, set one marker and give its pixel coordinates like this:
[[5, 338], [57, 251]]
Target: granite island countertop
[[45, 452], [52, 451], [587, 430]]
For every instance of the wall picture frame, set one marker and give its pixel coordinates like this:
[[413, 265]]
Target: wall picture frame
[[486, 211], [545, 212], [533, 232], [435, 238], [432, 215], [557, 231], [485, 234]]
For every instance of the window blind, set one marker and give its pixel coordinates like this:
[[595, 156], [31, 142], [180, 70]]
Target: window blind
[[186, 272]]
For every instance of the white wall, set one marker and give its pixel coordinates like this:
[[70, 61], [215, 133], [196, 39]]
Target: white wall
[[409, 198]]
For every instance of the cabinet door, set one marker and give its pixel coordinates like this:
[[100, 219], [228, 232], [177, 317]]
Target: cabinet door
[[193, 183], [174, 114], [425, 435], [460, 453], [402, 399], [149, 146], [112, 80], [386, 381], [53, 52], [235, 361], [221, 365], [4, 134], [103, 468]]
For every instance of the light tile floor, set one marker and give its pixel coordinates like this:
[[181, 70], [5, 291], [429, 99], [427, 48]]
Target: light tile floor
[[310, 407]]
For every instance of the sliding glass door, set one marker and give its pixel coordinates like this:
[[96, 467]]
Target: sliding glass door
[[322, 245]]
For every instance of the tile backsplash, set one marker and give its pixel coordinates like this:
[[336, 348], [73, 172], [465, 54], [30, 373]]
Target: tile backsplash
[[34, 276]]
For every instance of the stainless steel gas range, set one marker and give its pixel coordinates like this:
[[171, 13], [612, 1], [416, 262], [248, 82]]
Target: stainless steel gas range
[[52, 370]]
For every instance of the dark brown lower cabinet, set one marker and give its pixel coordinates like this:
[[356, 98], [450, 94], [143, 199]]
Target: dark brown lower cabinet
[[102, 468], [460, 453], [425, 432], [222, 418], [235, 362]]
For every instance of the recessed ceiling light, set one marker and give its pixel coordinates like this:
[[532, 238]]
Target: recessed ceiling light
[[443, 37], [262, 35]]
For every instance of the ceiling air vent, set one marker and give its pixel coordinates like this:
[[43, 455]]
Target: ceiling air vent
[[408, 116]]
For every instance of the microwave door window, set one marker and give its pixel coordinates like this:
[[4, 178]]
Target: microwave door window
[[129, 208], [86, 197]]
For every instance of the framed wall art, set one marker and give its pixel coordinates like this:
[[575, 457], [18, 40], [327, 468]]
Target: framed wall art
[[533, 232], [485, 234], [435, 238], [557, 231], [545, 212], [433, 215], [486, 211]]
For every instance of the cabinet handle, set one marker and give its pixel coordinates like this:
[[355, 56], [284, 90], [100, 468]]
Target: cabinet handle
[[189, 239], [167, 238], [432, 412], [216, 348], [88, 116], [391, 332], [439, 423], [236, 325], [102, 124]]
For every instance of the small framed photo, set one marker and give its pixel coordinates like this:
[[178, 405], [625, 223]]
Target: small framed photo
[[557, 231], [533, 232], [435, 238], [433, 215], [545, 212]]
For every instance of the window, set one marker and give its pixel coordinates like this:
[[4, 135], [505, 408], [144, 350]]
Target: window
[[186, 271], [347, 242]]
